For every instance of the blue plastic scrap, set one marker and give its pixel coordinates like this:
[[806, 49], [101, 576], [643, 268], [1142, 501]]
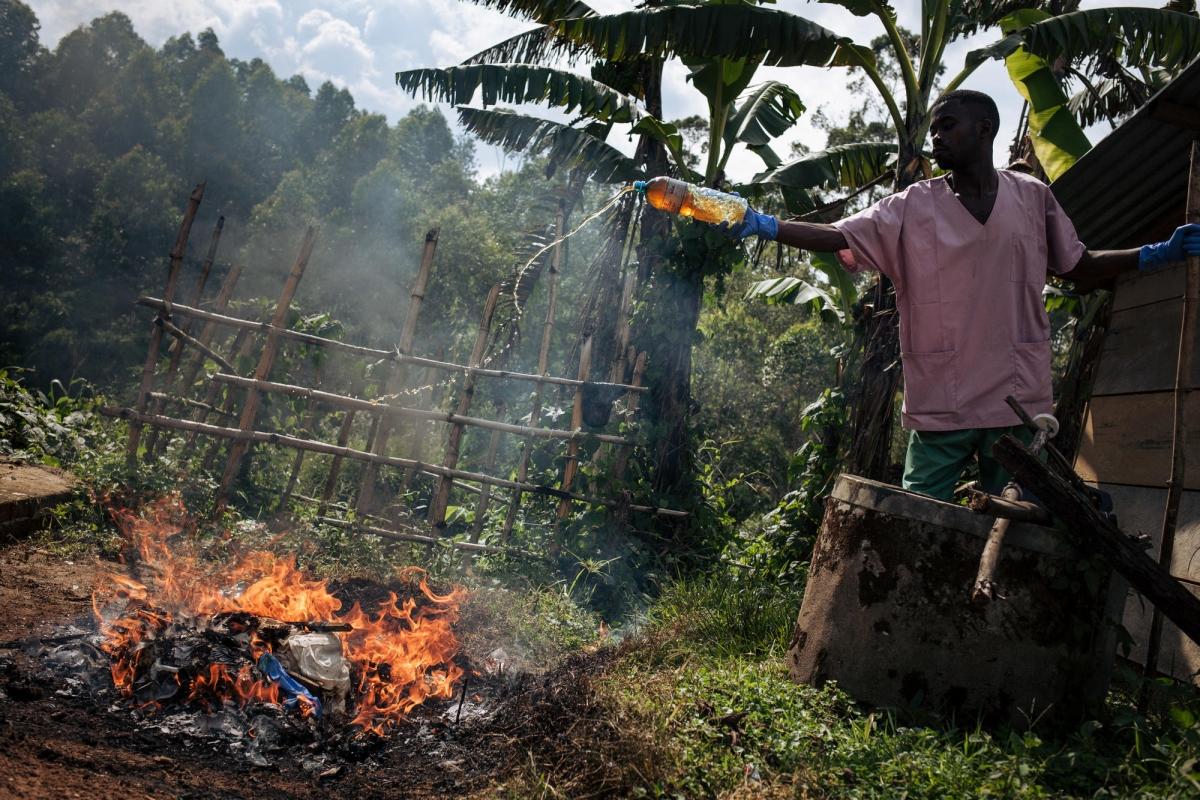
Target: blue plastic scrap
[[292, 689]]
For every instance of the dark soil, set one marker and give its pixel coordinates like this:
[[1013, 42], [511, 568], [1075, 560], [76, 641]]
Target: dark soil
[[53, 744]]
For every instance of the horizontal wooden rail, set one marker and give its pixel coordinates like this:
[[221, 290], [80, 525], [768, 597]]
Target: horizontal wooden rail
[[422, 538], [190, 403], [358, 404], [191, 341], [359, 455], [393, 355]]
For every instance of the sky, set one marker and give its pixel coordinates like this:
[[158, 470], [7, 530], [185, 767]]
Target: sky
[[361, 44]]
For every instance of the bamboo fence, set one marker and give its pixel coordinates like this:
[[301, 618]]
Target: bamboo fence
[[241, 409]]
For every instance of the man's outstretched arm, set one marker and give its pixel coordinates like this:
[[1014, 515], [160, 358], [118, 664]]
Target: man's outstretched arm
[[811, 236], [1098, 267]]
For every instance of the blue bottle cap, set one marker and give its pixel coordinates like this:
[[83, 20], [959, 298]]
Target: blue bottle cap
[[639, 186]]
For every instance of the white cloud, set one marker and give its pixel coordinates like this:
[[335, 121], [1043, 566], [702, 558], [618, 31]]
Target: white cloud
[[360, 44]]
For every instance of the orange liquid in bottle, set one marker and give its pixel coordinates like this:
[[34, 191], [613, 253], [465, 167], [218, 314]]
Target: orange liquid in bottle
[[688, 200]]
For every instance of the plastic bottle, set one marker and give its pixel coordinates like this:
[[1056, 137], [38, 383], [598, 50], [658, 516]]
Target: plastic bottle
[[688, 200]]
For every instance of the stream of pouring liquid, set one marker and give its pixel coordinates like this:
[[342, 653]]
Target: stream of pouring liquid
[[608, 205]]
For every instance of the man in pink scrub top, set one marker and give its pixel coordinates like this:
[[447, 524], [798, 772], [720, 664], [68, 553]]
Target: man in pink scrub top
[[968, 253]]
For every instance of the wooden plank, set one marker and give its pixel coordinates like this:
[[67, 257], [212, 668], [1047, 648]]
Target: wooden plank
[[1127, 440], [1140, 349], [1138, 289]]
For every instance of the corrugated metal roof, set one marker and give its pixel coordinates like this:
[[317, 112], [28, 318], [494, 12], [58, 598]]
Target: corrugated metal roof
[[1136, 176]]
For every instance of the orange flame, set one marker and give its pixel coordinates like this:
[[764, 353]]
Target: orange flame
[[400, 655]]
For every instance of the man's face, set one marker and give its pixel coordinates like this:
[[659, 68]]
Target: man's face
[[959, 132]]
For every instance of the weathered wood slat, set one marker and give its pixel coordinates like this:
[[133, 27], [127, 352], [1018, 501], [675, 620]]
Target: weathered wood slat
[[1150, 287], [1140, 349], [1127, 440]]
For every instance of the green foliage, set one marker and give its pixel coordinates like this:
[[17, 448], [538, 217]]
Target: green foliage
[[519, 83], [57, 429], [734, 31]]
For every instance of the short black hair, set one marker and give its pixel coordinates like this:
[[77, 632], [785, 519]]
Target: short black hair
[[980, 100]]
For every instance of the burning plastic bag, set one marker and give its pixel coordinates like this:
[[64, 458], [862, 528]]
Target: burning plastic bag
[[317, 658], [269, 666]]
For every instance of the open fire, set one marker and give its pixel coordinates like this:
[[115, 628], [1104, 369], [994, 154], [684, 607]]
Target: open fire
[[258, 630]]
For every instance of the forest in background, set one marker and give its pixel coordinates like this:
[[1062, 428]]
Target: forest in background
[[102, 138]]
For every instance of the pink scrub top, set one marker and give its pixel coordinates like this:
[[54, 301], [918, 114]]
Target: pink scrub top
[[973, 327]]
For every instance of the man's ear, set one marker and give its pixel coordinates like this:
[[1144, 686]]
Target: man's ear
[[984, 126]]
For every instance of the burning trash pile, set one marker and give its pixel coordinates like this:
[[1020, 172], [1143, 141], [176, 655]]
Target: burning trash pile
[[261, 652]]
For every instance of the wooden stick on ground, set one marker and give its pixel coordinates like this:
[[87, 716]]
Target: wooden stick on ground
[[250, 410], [156, 331], [1183, 387], [441, 495], [1091, 531]]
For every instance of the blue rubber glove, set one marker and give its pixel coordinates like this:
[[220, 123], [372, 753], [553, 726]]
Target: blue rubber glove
[[755, 223], [292, 690], [1184, 242]]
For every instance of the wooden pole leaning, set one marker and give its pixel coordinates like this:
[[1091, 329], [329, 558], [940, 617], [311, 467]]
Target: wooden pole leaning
[[187, 375], [382, 426], [176, 349], [156, 331], [441, 495], [1184, 365], [535, 413], [571, 467], [253, 399]]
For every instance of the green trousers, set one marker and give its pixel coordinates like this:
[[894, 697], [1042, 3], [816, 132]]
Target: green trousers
[[936, 459]]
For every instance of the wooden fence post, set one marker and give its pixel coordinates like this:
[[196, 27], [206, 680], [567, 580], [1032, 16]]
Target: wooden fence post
[[382, 426], [156, 332], [441, 496], [250, 410], [177, 347], [571, 467], [535, 414]]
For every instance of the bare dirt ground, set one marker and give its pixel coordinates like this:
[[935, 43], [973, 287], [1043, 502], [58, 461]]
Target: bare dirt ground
[[53, 745]]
